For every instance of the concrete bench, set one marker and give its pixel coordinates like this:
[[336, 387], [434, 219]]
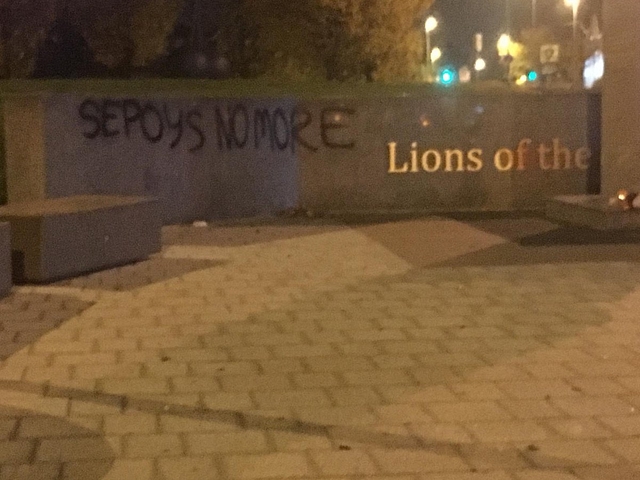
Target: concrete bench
[[592, 211], [5, 259], [64, 237]]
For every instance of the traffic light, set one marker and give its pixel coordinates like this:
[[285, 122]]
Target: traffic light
[[447, 76]]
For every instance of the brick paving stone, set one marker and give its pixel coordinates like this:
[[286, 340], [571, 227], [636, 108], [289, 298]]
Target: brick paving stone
[[292, 441], [195, 384], [406, 394], [537, 389], [626, 472], [273, 339], [611, 368], [36, 471], [353, 415], [165, 369], [109, 470], [438, 374], [597, 386], [493, 456], [249, 353], [492, 475], [468, 411], [410, 346], [135, 385], [402, 414], [593, 406], [339, 363], [315, 380], [378, 377], [71, 449], [365, 349], [246, 383], [153, 446], [282, 365], [343, 463], [394, 361], [223, 368], [121, 370], [568, 453], [135, 423], [226, 442], [507, 431], [441, 433], [7, 427], [183, 424], [292, 398], [228, 401], [476, 391], [320, 350], [273, 465], [623, 425], [529, 409], [84, 359], [628, 448], [578, 428], [632, 383], [438, 459], [345, 396], [545, 475], [16, 452], [188, 468], [34, 405], [42, 426]]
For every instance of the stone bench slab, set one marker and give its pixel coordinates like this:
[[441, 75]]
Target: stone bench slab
[[5, 259], [64, 237], [593, 211]]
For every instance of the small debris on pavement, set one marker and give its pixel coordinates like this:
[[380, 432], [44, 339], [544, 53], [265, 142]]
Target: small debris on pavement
[[200, 224]]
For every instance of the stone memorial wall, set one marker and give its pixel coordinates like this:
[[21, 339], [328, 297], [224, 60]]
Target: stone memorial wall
[[227, 158]]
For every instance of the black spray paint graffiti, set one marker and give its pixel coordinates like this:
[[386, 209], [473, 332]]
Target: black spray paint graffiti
[[236, 126], [278, 128], [110, 118]]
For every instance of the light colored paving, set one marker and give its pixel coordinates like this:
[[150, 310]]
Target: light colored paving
[[326, 355]]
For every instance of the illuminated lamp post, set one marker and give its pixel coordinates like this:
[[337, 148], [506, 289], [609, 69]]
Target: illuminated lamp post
[[575, 63], [504, 47], [430, 24]]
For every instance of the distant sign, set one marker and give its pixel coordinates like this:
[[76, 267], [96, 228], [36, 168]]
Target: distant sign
[[549, 53]]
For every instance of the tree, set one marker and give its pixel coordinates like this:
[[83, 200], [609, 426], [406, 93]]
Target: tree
[[150, 26], [390, 32], [338, 39], [23, 26], [132, 33]]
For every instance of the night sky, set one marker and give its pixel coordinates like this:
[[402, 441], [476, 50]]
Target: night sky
[[460, 19]]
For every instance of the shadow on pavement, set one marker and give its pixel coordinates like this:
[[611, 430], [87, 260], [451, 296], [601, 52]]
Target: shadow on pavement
[[241, 235], [24, 318], [41, 447], [137, 275]]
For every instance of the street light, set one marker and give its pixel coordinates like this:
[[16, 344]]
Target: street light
[[574, 4], [430, 24], [504, 45], [575, 67], [533, 13], [436, 54], [480, 64]]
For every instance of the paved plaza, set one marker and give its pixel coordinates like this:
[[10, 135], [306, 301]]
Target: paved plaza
[[416, 349]]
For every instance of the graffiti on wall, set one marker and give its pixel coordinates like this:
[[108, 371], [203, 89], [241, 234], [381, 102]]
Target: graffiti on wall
[[235, 126]]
